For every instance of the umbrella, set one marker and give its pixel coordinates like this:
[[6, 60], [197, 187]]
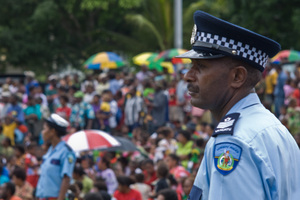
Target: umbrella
[[159, 65], [287, 55], [104, 60], [168, 55], [126, 145], [90, 139], [144, 58]]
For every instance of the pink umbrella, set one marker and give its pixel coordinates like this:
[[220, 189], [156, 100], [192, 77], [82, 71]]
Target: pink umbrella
[[90, 139]]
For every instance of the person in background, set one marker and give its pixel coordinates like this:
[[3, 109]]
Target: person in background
[[59, 161], [7, 192], [31, 164], [107, 174], [114, 85], [7, 150], [167, 194], [79, 175], [186, 187], [140, 186], [9, 127], [102, 84], [161, 182], [33, 115], [149, 172], [124, 192], [279, 94], [100, 187], [64, 110], [23, 189], [93, 196], [185, 146]]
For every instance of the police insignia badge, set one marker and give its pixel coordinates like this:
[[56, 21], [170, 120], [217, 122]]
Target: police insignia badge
[[226, 157], [193, 34], [70, 158]]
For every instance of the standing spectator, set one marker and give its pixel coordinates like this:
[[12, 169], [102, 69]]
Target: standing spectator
[[82, 113], [186, 187], [270, 81], [7, 150], [15, 110], [178, 171], [162, 174], [279, 95], [31, 164], [23, 189], [143, 73], [143, 188], [39, 94], [3, 178], [102, 84], [64, 110], [51, 92], [59, 161], [124, 192], [5, 96], [181, 90], [107, 174], [31, 82], [114, 85], [8, 192], [9, 127], [89, 93], [32, 116], [158, 107], [133, 108]]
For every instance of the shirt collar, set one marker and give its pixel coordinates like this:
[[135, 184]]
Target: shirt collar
[[249, 100]]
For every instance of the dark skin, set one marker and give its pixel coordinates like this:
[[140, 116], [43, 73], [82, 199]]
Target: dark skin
[[50, 135], [217, 84]]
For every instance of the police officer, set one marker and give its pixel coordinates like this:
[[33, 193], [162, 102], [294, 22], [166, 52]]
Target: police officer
[[58, 162], [250, 155]]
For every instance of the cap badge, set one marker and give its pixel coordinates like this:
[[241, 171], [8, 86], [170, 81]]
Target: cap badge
[[193, 34]]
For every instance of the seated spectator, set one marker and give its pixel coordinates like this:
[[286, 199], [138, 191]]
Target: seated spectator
[[186, 187], [124, 192], [79, 175], [167, 194], [149, 171], [8, 190], [100, 187], [161, 183], [23, 189], [185, 146], [140, 185], [64, 110], [7, 150]]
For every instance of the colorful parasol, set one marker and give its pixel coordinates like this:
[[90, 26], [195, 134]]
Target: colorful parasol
[[90, 139], [104, 60], [287, 56], [144, 58], [168, 55]]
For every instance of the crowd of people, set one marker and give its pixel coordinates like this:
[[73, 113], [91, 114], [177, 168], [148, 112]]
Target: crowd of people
[[151, 109]]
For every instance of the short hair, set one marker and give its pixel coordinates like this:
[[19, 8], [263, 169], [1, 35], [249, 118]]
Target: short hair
[[162, 170], [11, 187], [139, 177], [148, 161], [125, 180], [185, 134], [174, 157], [19, 173], [64, 97], [20, 148], [100, 185], [254, 75], [165, 131], [93, 196], [78, 170], [168, 194]]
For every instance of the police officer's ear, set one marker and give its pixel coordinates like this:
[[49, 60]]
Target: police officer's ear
[[238, 76]]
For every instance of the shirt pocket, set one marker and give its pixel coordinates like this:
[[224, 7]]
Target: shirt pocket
[[195, 193]]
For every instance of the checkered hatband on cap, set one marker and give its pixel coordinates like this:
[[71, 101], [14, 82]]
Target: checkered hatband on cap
[[244, 50]]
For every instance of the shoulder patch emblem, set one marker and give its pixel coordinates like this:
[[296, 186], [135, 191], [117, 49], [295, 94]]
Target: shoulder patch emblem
[[226, 157], [70, 158]]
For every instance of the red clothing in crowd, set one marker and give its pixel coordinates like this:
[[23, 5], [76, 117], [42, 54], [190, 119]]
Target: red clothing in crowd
[[149, 178], [64, 112], [131, 195]]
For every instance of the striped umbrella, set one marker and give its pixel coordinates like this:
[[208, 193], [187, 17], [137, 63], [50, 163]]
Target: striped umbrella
[[104, 60], [287, 55], [168, 55], [90, 139], [144, 58]]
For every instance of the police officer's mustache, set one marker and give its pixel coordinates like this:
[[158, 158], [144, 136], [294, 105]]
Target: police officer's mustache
[[192, 88]]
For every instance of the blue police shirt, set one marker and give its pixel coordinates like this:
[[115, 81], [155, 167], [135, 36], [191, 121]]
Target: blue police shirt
[[251, 156], [57, 163]]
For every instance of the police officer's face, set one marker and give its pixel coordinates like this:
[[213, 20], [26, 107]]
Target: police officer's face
[[47, 133], [208, 83]]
